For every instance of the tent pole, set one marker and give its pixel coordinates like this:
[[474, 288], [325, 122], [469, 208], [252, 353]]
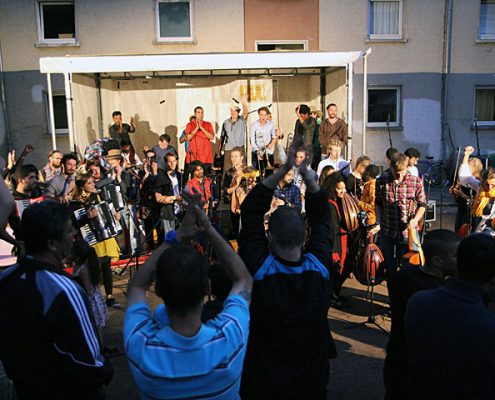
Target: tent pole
[[365, 101], [51, 114], [68, 102], [350, 87], [99, 105], [323, 90]]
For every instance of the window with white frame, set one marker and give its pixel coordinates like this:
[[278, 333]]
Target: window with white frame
[[174, 20], [485, 105], [56, 22], [384, 105], [59, 113], [281, 45], [385, 19], [487, 20]]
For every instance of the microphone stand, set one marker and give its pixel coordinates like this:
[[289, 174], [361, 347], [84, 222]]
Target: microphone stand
[[388, 129], [477, 136]]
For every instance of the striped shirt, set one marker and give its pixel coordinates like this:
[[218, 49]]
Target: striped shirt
[[167, 365]]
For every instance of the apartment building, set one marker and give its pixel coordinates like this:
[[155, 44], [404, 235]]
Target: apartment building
[[431, 73]]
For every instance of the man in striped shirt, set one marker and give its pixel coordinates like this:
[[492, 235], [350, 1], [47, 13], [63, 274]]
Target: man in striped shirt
[[48, 342], [173, 355]]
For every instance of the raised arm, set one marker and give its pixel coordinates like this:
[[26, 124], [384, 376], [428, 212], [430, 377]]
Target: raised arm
[[465, 176], [242, 282], [245, 109]]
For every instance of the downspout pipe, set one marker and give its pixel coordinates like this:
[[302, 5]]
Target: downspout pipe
[[10, 143], [446, 71]]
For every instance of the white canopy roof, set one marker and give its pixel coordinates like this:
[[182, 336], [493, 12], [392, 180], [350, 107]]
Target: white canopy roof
[[196, 62]]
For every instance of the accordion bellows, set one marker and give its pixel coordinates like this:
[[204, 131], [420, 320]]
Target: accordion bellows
[[350, 210]]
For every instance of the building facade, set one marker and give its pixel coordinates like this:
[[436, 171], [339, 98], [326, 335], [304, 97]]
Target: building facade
[[431, 73]]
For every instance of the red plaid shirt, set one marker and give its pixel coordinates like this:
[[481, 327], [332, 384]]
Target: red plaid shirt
[[398, 201]]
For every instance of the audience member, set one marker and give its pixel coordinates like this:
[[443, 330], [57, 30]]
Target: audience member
[[450, 331], [48, 343], [171, 351]]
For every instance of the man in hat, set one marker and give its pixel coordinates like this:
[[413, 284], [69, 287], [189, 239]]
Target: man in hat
[[203, 185], [234, 131]]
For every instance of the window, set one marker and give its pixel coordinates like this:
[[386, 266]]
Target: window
[[487, 20], [385, 19], [174, 21], [282, 45], [59, 112], [485, 105], [56, 22], [383, 105]]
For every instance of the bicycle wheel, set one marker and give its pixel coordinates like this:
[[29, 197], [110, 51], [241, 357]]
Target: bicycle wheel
[[437, 175]]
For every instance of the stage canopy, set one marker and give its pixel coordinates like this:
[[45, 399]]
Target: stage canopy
[[97, 85]]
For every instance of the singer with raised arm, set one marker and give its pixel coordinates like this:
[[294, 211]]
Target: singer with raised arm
[[199, 134], [234, 131], [290, 340], [119, 131]]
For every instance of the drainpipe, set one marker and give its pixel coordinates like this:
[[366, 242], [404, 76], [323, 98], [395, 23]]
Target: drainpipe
[[4, 104], [446, 69]]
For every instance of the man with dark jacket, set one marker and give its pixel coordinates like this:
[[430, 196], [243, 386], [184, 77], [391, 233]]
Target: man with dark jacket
[[168, 186], [287, 355], [48, 342]]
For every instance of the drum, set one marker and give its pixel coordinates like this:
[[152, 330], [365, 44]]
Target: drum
[[351, 210], [370, 267]]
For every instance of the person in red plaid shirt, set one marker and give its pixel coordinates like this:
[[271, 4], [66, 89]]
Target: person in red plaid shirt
[[400, 203]]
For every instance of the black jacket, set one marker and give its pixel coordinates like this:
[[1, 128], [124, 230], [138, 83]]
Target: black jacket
[[48, 343]]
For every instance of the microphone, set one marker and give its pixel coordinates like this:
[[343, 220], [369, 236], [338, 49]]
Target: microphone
[[162, 101], [235, 100]]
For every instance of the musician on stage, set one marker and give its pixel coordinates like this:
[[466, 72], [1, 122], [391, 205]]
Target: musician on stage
[[53, 167], [27, 189], [334, 158], [149, 212], [263, 140], [483, 210], [308, 125], [332, 128], [234, 131], [119, 131], [464, 194], [128, 180], [338, 235], [354, 182], [199, 134], [367, 200], [400, 204], [203, 185], [162, 149], [61, 186], [231, 181], [168, 186], [287, 193], [84, 196]]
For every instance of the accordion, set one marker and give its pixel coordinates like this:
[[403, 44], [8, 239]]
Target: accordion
[[111, 194], [102, 227], [22, 204]]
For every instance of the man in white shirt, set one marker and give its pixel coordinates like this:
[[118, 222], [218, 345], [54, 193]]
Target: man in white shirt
[[263, 138], [334, 159], [414, 156]]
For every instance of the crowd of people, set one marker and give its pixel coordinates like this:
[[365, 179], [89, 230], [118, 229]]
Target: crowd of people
[[301, 217]]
